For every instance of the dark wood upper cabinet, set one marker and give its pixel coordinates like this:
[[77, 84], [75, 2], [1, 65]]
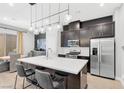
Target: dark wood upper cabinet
[[65, 28], [95, 31], [84, 31], [85, 35], [68, 35], [74, 25], [108, 30], [102, 30]]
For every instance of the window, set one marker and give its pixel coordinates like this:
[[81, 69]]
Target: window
[[8, 41]]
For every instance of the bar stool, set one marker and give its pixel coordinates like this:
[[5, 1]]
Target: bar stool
[[45, 80], [64, 75], [23, 73]]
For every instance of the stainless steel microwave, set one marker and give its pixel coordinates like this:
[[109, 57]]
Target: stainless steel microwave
[[73, 43]]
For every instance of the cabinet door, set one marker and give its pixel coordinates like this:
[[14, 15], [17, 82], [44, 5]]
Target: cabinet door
[[68, 35], [85, 35], [96, 31], [108, 30], [62, 39], [74, 25], [71, 35]]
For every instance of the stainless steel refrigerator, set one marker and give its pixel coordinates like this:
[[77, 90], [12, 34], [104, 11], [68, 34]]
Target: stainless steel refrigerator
[[102, 61]]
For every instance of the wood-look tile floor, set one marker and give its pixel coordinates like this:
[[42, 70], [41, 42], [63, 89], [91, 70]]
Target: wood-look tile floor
[[7, 80]]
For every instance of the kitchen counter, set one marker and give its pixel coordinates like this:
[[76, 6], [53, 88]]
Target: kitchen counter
[[80, 56], [76, 68], [68, 65]]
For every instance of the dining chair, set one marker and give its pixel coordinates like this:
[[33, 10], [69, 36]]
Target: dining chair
[[45, 80], [13, 61], [25, 74]]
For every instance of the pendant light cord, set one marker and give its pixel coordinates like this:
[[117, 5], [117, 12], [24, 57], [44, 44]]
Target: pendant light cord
[[42, 13], [31, 15], [59, 14], [49, 13], [68, 8], [36, 16]]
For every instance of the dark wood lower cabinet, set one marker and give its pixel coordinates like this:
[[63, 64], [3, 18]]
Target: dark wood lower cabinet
[[78, 81]]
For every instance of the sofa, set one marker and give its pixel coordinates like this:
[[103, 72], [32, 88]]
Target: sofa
[[33, 53], [4, 66]]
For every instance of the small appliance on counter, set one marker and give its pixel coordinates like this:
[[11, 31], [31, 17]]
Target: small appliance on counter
[[73, 54], [102, 62]]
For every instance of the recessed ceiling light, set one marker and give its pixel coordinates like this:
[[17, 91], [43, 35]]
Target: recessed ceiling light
[[11, 4], [101, 4], [5, 18]]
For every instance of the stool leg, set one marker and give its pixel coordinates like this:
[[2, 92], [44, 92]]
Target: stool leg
[[23, 83], [15, 82]]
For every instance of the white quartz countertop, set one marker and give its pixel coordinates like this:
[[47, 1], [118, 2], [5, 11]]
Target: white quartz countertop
[[73, 66]]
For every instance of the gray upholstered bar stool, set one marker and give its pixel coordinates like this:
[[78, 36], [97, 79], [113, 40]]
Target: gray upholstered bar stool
[[45, 80], [63, 75], [23, 73]]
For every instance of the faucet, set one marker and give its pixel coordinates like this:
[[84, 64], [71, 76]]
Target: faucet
[[47, 53]]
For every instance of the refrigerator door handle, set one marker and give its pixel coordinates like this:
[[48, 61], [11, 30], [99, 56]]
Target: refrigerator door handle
[[100, 53]]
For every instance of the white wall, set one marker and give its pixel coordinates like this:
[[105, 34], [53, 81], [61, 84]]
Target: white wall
[[28, 42], [119, 36]]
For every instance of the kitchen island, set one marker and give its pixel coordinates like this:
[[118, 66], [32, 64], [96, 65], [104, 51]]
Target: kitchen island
[[76, 68]]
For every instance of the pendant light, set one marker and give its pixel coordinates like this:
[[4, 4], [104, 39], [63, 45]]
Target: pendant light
[[31, 28], [68, 17], [36, 32], [58, 25], [49, 27], [42, 28], [101, 4]]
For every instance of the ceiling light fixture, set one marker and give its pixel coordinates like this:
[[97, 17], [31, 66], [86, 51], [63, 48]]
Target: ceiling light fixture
[[36, 32], [11, 4], [101, 4], [42, 28], [49, 28], [58, 25], [5, 18], [36, 25], [31, 28], [68, 17]]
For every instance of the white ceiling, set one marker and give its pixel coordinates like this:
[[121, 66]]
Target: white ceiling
[[89, 11], [19, 14]]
